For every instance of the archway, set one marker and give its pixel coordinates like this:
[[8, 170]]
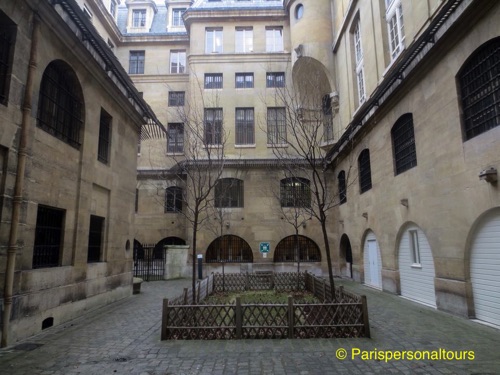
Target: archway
[[372, 261], [345, 256], [229, 249]]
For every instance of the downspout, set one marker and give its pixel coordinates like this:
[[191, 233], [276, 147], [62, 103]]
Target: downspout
[[17, 200]]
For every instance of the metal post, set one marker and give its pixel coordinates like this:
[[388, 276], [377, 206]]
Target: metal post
[[238, 318], [366, 323], [291, 317], [164, 319]]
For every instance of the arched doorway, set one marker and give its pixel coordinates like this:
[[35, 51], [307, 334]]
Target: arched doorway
[[291, 248], [158, 251], [229, 249], [372, 261], [345, 256]]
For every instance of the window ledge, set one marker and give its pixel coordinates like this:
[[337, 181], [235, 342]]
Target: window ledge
[[416, 265], [174, 153], [245, 146], [281, 145]]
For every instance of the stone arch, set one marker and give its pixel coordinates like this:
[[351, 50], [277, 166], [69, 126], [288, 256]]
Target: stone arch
[[346, 258]]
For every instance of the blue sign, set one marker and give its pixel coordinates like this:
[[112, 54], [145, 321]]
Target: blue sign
[[264, 247]]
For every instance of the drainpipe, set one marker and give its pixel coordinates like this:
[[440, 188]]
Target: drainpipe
[[22, 155]]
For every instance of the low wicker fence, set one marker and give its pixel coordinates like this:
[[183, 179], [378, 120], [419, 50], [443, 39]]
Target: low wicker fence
[[347, 316]]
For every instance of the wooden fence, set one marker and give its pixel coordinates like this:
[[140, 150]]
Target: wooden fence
[[347, 316]]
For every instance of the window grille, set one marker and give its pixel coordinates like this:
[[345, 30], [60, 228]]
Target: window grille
[[104, 137], [245, 126], [244, 80], [229, 193], [275, 79], [403, 142], [60, 109], [96, 234], [176, 98], [173, 199], [48, 237], [229, 249], [295, 192], [480, 90], [213, 126], [175, 138], [365, 173], [7, 42], [213, 81], [293, 248], [276, 126], [342, 187]]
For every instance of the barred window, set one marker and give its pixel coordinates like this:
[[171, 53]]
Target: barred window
[[176, 98], [104, 137], [175, 138], [7, 42], [342, 187], [229, 249], [229, 193], [60, 108], [48, 237], [213, 126], [244, 80], [297, 248], [276, 126], [213, 81], [96, 234], [275, 79], [136, 62], [244, 126], [403, 144], [173, 199], [365, 172], [479, 81], [295, 192]]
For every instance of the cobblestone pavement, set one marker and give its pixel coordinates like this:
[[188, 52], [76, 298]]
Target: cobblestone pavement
[[124, 338]]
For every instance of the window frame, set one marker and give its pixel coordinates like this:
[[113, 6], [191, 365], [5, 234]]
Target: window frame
[[245, 83], [395, 27], [243, 43], [295, 192], [174, 197], [176, 98], [244, 126], [8, 34], [95, 244], [213, 126], [175, 138], [213, 81], [229, 193], [177, 20], [139, 17], [274, 39], [403, 144], [136, 61], [359, 62], [275, 80], [414, 249], [214, 41], [341, 178], [177, 61], [49, 219], [276, 127], [365, 173], [104, 142]]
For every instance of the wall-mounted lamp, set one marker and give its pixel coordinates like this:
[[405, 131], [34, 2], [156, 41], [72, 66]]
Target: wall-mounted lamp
[[404, 202], [365, 215], [489, 174], [227, 224]]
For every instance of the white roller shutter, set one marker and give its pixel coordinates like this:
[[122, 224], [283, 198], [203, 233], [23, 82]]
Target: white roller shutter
[[417, 279], [485, 269], [372, 262]]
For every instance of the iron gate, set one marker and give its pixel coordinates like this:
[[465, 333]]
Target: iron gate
[[149, 261]]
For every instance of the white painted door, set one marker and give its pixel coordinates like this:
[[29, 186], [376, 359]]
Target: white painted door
[[372, 262], [416, 267], [485, 269]]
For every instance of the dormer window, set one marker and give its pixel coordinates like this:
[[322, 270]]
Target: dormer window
[[139, 18], [177, 17]]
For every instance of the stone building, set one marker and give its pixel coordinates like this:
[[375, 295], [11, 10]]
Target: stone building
[[70, 123]]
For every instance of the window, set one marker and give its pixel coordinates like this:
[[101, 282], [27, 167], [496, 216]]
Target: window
[[112, 8], [104, 137], [479, 81], [244, 40], [295, 192], [244, 80], [291, 248], [60, 108], [403, 144], [414, 248], [395, 25], [173, 199], [228, 193], [274, 39], [244, 126], [326, 106], [48, 237], [176, 98], [299, 11], [227, 249], [87, 12], [177, 17], [275, 79], [342, 187], [365, 172], [7, 42], [136, 200], [136, 62], [175, 139], [276, 126], [358, 54], [213, 40], [139, 18], [177, 62], [213, 81], [96, 234], [213, 126]]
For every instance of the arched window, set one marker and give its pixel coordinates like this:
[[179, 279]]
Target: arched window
[[479, 81], [295, 192], [342, 187], [229, 193], [229, 249], [403, 144], [365, 172], [291, 247], [173, 199], [60, 108], [158, 251]]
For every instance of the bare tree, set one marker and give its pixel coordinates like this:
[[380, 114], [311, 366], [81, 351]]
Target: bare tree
[[298, 126]]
